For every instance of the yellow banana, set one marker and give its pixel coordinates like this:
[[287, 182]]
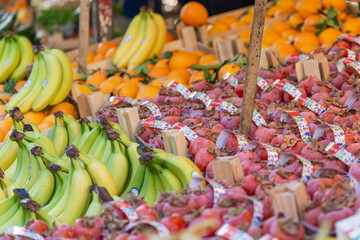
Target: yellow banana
[[73, 128], [2, 45], [128, 39], [51, 84], [161, 35], [59, 135], [41, 140], [11, 62], [148, 42], [26, 57], [67, 76], [139, 39]]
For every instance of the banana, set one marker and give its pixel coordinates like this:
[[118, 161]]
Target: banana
[[118, 167], [29, 126], [43, 188], [128, 39], [73, 128], [96, 169], [168, 179], [34, 173], [67, 76], [107, 153], [49, 220], [42, 140], [17, 219], [148, 42], [161, 35], [11, 62], [9, 186], [98, 147], [6, 204], [133, 158], [6, 50], [2, 45], [109, 125], [26, 57], [136, 184], [23, 164], [8, 154], [50, 158], [59, 135], [138, 41], [26, 89], [61, 181], [148, 189], [50, 84], [87, 140], [95, 206], [84, 130], [2, 193], [158, 184], [6, 216], [181, 166], [79, 194], [26, 102]]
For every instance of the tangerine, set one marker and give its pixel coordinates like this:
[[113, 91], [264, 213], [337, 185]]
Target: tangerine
[[281, 27], [232, 68], [309, 22], [305, 39], [100, 56], [329, 34], [19, 85], [285, 49], [194, 14], [67, 109], [85, 89], [308, 7], [127, 89], [295, 20], [105, 46], [229, 20], [108, 86], [309, 48], [182, 60], [182, 73], [170, 37], [352, 26], [147, 91], [208, 59], [110, 53], [34, 117], [158, 72], [96, 78], [339, 5]]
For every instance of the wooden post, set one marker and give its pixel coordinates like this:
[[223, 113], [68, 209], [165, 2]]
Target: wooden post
[[95, 21], [84, 33], [252, 67], [106, 20]]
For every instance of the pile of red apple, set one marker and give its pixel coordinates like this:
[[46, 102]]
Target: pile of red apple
[[330, 195]]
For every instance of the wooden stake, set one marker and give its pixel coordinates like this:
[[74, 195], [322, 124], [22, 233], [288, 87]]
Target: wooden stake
[[324, 69], [84, 33], [189, 39], [96, 100], [83, 105], [129, 120], [252, 68], [95, 21], [285, 203], [224, 50], [228, 169]]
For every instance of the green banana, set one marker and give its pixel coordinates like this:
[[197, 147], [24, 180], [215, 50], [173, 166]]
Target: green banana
[[17, 219], [73, 128], [168, 179], [136, 184], [11, 62], [59, 134], [148, 189], [34, 173], [42, 140], [95, 206]]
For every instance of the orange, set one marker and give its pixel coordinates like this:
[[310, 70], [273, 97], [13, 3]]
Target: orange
[[156, 83], [295, 19], [271, 11], [4, 98], [175, 79], [5, 125], [309, 22], [182, 60], [74, 64], [352, 26], [341, 17], [285, 49], [162, 63], [66, 107], [105, 46], [148, 91], [158, 72], [116, 78], [280, 40], [238, 24], [305, 39], [248, 18], [286, 4], [90, 57], [96, 78], [329, 34], [337, 4], [45, 125], [76, 76], [199, 53], [34, 117], [194, 14], [245, 35], [232, 68], [2, 88], [19, 85], [8, 134], [208, 59], [127, 89], [309, 48], [182, 73], [110, 53], [270, 36], [99, 57], [214, 30], [222, 26], [49, 118], [2, 135], [2, 109], [136, 80], [170, 37], [198, 75], [108, 86], [85, 89], [281, 12], [327, 44], [229, 20], [281, 27], [308, 7], [290, 34]]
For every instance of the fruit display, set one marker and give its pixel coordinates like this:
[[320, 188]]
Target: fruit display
[[16, 53], [144, 38], [48, 84]]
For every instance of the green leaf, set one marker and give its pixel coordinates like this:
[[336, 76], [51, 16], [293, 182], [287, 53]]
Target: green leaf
[[142, 67], [207, 75], [168, 54], [205, 67], [92, 87], [243, 14], [332, 13], [10, 86], [298, 27]]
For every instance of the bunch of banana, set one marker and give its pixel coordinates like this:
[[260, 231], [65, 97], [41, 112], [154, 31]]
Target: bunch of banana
[[144, 39], [59, 134], [15, 54], [49, 82], [99, 195], [160, 171]]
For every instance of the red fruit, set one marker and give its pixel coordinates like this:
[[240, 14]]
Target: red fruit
[[354, 148], [286, 229], [320, 96], [7, 237], [340, 79], [314, 184], [209, 171], [206, 215], [174, 223], [88, 227], [179, 206], [63, 231], [203, 158], [202, 131], [204, 197], [38, 226], [214, 93], [328, 117], [218, 128], [297, 148], [254, 231], [247, 155], [243, 218], [311, 216], [272, 96], [309, 154], [335, 216], [336, 164], [287, 97], [171, 119], [283, 175], [250, 167], [232, 144], [146, 212], [278, 140], [267, 74], [341, 44], [239, 90], [236, 192], [318, 88], [157, 142], [138, 237], [267, 225], [198, 144], [250, 184], [308, 84], [122, 236], [264, 135], [145, 135], [355, 171], [230, 122]]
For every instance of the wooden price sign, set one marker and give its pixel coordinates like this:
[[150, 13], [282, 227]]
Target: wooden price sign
[[252, 67]]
